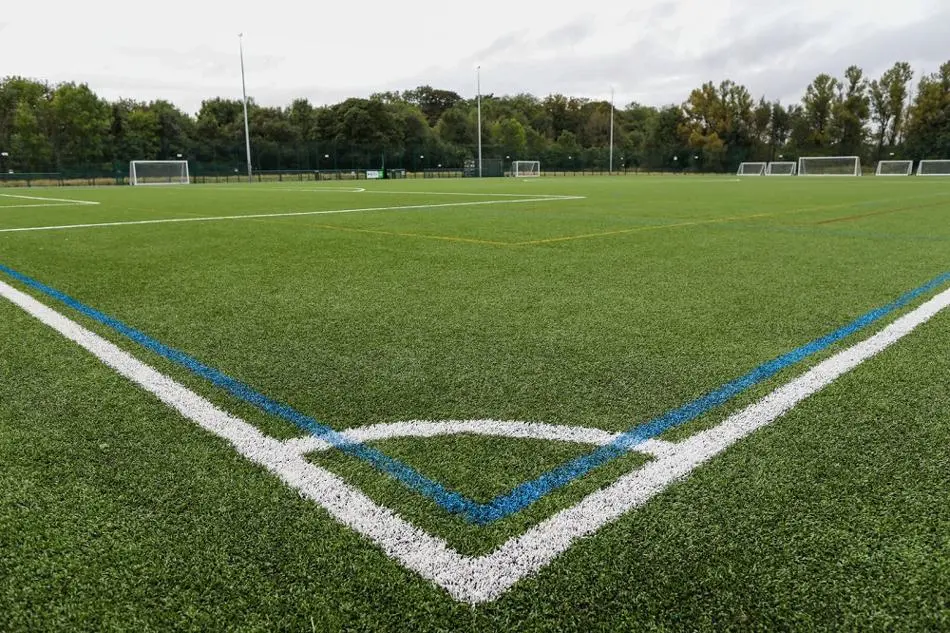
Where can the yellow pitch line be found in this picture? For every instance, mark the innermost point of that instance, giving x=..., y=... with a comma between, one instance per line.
x=640, y=229
x=444, y=238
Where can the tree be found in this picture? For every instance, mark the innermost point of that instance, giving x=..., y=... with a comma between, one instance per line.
x=888, y=100
x=928, y=125
x=851, y=113
x=433, y=103
x=819, y=103
x=81, y=122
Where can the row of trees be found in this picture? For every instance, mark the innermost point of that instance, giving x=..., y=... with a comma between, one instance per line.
x=67, y=127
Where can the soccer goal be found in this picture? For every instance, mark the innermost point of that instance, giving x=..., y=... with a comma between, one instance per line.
x=526, y=168
x=829, y=166
x=159, y=172
x=933, y=168
x=751, y=169
x=781, y=168
x=894, y=168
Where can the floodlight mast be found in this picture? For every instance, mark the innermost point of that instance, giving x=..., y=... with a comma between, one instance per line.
x=478, y=97
x=247, y=133
x=611, y=168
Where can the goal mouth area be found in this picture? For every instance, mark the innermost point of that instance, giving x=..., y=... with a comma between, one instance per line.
x=159, y=172
x=933, y=167
x=829, y=166
x=894, y=168
x=526, y=169
x=782, y=168
x=752, y=169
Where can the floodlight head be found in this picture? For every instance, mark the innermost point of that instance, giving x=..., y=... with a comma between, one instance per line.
x=4, y=154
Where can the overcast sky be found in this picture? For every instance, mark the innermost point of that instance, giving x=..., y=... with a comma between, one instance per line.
x=652, y=51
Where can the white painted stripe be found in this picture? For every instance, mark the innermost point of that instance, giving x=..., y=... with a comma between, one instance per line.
x=219, y=218
x=493, y=428
x=4, y=207
x=477, y=579
x=45, y=199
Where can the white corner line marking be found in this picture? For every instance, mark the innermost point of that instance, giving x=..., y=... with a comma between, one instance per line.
x=219, y=218
x=479, y=579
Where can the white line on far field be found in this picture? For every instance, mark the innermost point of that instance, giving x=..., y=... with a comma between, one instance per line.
x=476, y=579
x=65, y=201
x=219, y=218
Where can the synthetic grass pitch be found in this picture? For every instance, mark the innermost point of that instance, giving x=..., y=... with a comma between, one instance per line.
x=588, y=306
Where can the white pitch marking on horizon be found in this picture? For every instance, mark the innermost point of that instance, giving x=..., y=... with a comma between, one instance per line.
x=47, y=202
x=479, y=579
x=220, y=218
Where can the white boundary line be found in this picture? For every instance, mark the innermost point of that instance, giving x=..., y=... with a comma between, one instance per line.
x=52, y=202
x=484, y=578
x=219, y=218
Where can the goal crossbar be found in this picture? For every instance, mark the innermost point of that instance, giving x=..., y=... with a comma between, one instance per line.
x=159, y=172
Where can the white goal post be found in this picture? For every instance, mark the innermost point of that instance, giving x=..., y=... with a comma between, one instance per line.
x=526, y=168
x=894, y=168
x=829, y=166
x=930, y=167
x=159, y=172
x=782, y=168
x=751, y=169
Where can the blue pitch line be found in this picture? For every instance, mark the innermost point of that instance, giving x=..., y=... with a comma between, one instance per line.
x=527, y=493
x=451, y=501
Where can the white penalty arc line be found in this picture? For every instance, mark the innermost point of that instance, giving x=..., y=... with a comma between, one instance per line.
x=220, y=218
x=483, y=578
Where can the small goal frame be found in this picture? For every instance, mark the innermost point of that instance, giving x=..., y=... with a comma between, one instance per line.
x=907, y=168
x=516, y=169
x=930, y=161
x=803, y=171
x=790, y=165
x=182, y=178
x=754, y=168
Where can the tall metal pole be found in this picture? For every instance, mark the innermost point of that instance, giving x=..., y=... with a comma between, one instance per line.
x=611, y=130
x=478, y=91
x=247, y=133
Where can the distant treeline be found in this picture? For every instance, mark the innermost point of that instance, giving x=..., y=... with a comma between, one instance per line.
x=68, y=128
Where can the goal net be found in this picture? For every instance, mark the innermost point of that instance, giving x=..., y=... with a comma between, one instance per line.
x=894, y=168
x=781, y=168
x=829, y=166
x=526, y=168
x=751, y=169
x=158, y=172
x=933, y=168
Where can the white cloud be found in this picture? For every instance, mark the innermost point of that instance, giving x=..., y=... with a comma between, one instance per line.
x=654, y=52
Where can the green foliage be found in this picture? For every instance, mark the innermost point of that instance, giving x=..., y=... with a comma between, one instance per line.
x=67, y=127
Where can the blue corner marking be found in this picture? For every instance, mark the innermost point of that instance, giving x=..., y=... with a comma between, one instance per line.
x=451, y=501
x=527, y=493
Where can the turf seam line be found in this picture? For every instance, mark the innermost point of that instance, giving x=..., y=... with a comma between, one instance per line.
x=482, y=579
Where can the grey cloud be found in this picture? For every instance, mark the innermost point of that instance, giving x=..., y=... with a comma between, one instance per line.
x=572, y=33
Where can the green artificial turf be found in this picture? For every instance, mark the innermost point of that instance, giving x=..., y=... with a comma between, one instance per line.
x=603, y=311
